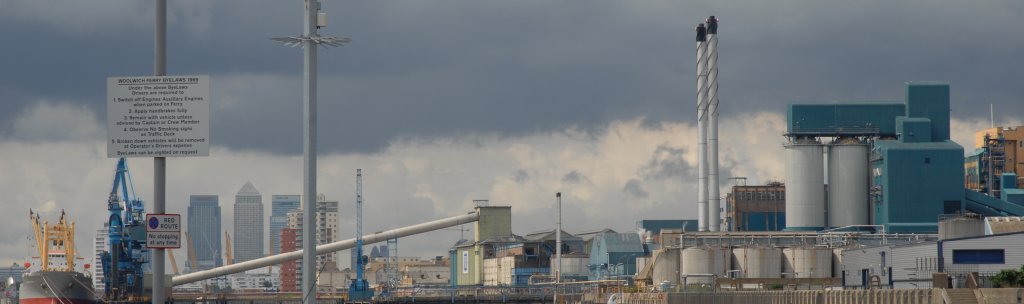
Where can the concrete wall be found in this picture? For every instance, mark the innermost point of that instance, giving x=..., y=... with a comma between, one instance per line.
x=1000, y=295
x=907, y=296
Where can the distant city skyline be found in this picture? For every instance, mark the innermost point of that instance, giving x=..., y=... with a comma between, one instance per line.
x=248, y=235
x=326, y=217
x=204, y=227
x=280, y=206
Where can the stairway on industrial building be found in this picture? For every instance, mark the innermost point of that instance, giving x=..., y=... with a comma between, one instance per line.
x=962, y=296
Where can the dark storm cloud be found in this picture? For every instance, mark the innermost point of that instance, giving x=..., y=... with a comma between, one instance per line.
x=666, y=163
x=635, y=188
x=442, y=68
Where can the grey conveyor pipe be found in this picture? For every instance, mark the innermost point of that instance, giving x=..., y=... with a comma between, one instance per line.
x=325, y=248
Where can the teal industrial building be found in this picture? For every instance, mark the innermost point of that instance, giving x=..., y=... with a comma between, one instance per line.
x=914, y=171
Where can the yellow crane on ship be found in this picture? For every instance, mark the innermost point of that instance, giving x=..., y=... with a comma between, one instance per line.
x=57, y=240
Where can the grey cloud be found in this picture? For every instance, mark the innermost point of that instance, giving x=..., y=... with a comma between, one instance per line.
x=447, y=68
x=634, y=188
x=666, y=163
x=575, y=177
x=521, y=176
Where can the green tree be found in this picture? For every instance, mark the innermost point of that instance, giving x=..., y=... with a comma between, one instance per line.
x=1009, y=278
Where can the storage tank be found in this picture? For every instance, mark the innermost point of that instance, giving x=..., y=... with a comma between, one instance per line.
x=805, y=184
x=847, y=183
x=758, y=262
x=964, y=225
x=807, y=262
x=666, y=266
x=704, y=260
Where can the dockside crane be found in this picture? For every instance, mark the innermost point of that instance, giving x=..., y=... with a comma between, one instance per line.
x=127, y=256
x=359, y=289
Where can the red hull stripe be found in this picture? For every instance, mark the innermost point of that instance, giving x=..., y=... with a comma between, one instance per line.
x=55, y=301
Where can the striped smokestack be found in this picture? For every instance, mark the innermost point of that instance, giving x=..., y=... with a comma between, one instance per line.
x=714, y=198
x=702, y=136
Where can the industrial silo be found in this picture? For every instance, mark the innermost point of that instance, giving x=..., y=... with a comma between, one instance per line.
x=805, y=184
x=702, y=262
x=847, y=183
x=758, y=262
x=666, y=266
x=807, y=262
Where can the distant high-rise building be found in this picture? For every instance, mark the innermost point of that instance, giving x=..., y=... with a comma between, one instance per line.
x=280, y=205
x=248, y=236
x=327, y=232
x=204, y=228
x=289, y=243
x=99, y=245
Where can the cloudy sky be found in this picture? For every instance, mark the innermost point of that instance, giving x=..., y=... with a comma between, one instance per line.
x=445, y=101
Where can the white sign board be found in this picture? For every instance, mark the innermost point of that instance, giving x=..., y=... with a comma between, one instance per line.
x=158, y=116
x=163, y=230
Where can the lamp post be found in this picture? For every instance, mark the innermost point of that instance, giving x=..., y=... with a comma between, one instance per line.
x=313, y=19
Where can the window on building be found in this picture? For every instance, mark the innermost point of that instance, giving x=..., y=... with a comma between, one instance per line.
x=979, y=256
x=927, y=160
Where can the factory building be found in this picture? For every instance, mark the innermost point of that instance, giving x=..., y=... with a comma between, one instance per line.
x=965, y=246
x=588, y=237
x=614, y=255
x=997, y=151
x=756, y=207
x=492, y=230
x=889, y=163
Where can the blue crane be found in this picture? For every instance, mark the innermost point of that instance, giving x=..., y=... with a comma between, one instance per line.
x=127, y=255
x=359, y=289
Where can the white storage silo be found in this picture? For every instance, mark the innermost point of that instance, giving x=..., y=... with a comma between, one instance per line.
x=805, y=184
x=758, y=262
x=847, y=183
x=704, y=260
x=666, y=266
x=807, y=262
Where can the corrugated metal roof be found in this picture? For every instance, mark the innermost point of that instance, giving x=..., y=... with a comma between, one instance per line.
x=622, y=242
x=549, y=235
x=591, y=234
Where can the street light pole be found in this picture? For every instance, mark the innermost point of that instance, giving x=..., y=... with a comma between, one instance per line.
x=312, y=20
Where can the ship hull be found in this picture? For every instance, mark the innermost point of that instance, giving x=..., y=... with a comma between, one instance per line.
x=56, y=287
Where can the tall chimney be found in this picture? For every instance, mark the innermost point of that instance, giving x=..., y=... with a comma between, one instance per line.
x=714, y=203
x=702, y=133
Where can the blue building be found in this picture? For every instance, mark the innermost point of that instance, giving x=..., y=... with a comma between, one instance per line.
x=280, y=205
x=915, y=171
x=204, y=229
x=614, y=254
x=919, y=175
